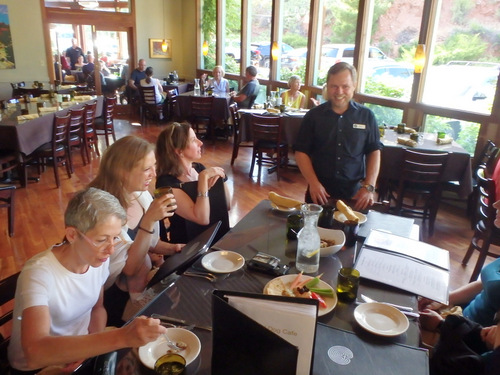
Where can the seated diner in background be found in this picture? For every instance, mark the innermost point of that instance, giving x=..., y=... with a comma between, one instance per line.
x=127, y=169
x=59, y=318
x=79, y=63
x=177, y=153
x=149, y=81
x=247, y=95
x=218, y=83
x=134, y=81
x=479, y=302
x=293, y=98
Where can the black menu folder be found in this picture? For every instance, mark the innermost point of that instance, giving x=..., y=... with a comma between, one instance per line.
x=244, y=346
x=339, y=352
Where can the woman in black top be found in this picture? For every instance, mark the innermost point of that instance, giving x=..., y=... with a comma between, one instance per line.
x=198, y=205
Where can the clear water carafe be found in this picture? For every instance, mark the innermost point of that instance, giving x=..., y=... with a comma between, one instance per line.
x=308, y=246
x=197, y=90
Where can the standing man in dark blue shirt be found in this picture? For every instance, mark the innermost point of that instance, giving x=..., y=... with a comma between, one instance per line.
x=338, y=145
x=74, y=52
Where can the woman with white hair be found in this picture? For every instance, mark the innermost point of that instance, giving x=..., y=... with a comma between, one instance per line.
x=219, y=84
x=293, y=98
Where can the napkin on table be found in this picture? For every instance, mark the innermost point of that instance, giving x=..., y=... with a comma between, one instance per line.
x=48, y=109
x=27, y=117
x=407, y=142
x=82, y=98
x=444, y=141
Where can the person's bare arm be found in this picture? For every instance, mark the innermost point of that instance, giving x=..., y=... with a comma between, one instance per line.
x=131, y=84
x=303, y=102
x=316, y=189
x=466, y=293
x=98, y=316
x=42, y=349
x=363, y=197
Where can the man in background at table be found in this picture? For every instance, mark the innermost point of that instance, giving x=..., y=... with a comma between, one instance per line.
x=73, y=53
x=134, y=80
x=246, y=96
x=338, y=145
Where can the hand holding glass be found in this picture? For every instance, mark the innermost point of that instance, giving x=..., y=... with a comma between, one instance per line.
x=161, y=191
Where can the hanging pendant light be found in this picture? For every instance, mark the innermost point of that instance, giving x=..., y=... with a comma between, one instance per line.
x=204, y=48
x=275, y=51
x=164, y=46
x=419, y=58
x=89, y=4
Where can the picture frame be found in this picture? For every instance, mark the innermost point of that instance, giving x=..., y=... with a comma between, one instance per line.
x=155, y=50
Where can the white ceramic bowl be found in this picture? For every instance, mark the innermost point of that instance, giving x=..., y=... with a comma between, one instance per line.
x=331, y=234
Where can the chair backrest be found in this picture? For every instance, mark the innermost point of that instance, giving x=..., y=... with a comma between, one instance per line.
x=172, y=98
x=266, y=128
x=148, y=94
x=109, y=110
x=487, y=197
x=60, y=131
x=233, y=110
x=423, y=168
x=75, y=123
x=489, y=151
x=7, y=294
x=201, y=106
x=89, y=116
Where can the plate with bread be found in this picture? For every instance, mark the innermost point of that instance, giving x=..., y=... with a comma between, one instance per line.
x=282, y=286
x=283, y=204
x=345, y=213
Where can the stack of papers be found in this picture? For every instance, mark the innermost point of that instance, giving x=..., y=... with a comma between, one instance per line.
x=407, y=264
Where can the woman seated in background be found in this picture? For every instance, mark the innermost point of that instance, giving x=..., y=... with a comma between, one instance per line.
x=177, y=153
x=127, y=169
x=219, y=84
x=59, y=318
x=149, y=81
x=293, y=98
x=80, y=63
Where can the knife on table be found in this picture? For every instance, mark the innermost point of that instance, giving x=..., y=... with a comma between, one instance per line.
x=169, y=319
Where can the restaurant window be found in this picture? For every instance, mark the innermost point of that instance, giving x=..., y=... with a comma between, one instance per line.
x=338, y=33
x=260, y=34
x=463, y=132
x=232, y=36
x=208, y=33
x=465, y=58
x=293, y=39
x=117, y=6
x=386, y=115
x=389, y=57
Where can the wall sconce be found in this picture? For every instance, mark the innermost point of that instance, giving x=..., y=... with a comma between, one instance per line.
x=419, y=58
x=204, y=49
x=164, y=46
x=275, y=51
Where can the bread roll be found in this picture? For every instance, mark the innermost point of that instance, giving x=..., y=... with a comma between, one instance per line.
x=346, y=210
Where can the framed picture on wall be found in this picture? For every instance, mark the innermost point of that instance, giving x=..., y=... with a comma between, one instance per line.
x=156, y=51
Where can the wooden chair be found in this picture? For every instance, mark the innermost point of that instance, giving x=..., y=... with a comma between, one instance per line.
x=201, y=115
x=233, y=110
x=104, y=125
x=149, y=108
x=56, y=150
x=171, y=104
x=7, y=294
x=485, y=231
x=9, y=160
x=7, y=195
x=268, y=148
x=418, y=191
x=75, y=135
x=89, y=135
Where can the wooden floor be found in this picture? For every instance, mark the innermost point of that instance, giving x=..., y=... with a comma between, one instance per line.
x=40, y=206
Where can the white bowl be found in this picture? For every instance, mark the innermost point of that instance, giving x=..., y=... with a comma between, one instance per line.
x=331, y=234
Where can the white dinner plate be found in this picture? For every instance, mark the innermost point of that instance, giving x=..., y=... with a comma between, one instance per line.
x=150, y=352
x=331, y=302
x=283, y=209
x=339, y=216
x=381, y=319
x=223, y=261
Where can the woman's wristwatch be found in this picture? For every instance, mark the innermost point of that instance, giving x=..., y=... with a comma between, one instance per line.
x=368, y=187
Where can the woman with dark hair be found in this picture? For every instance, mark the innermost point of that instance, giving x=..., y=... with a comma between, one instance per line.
x=149, y=81
x=177, y=153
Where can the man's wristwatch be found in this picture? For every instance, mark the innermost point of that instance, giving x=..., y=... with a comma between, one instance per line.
x=369, y=187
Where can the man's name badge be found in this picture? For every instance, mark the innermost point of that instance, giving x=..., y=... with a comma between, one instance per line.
x=359, y=126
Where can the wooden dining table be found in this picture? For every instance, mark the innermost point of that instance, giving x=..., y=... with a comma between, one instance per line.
x=220, y=108
x=458, y=168
x=264, y=229
x=26, y=136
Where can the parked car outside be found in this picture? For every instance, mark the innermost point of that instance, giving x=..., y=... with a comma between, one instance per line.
x=294, y=59
x=264, y=51
x=233, y=50
x=334, y=53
